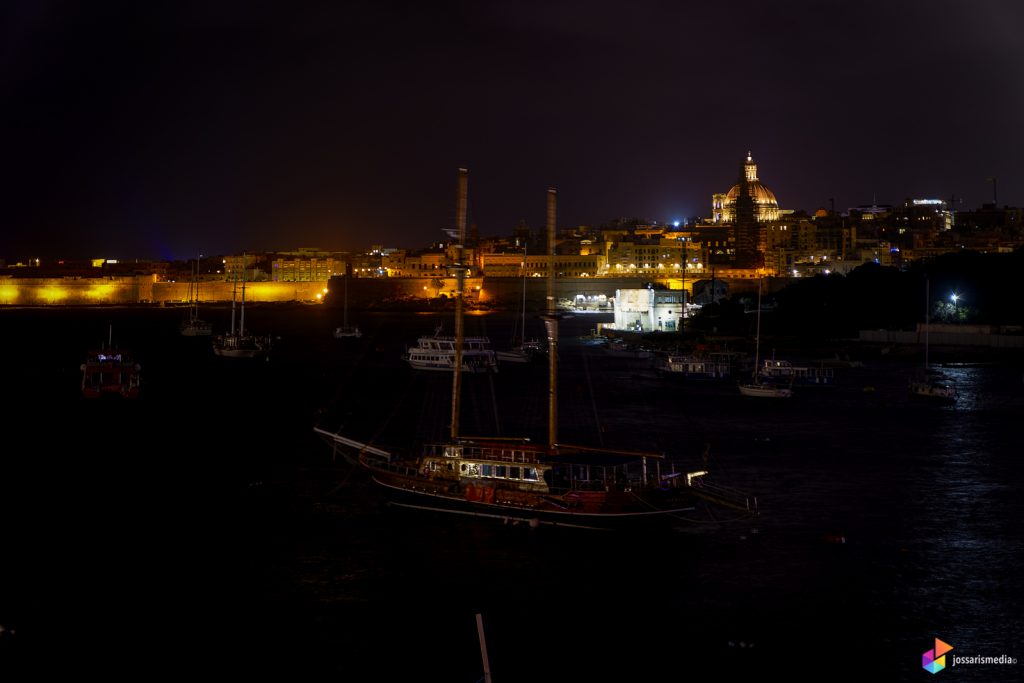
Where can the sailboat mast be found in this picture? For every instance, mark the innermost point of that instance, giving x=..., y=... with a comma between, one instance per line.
x=522, y=328
x=460, y=278
x=344, y=317
x=195, y=306
x=927, y=322
x=234, y=294
x=551, y=324
x=241, y=322
x=757, y=335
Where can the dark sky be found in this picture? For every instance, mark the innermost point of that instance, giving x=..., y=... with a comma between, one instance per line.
x=158, y=130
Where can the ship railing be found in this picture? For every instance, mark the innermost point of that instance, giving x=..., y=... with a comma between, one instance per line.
x=374, y=461
x=511, y=455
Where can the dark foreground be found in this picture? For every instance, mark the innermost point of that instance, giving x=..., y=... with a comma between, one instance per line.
x=203, y=530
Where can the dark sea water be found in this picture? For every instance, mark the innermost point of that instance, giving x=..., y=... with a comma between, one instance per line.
x=204, y=530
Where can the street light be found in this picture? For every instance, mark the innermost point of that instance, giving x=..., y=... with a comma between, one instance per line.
x=954, y=297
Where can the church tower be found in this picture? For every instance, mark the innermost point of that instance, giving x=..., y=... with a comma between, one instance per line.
x=746, y=219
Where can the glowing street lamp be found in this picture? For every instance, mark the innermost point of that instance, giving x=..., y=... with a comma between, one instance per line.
x=954, y=297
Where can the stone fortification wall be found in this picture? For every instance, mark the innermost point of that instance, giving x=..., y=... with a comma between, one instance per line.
x=85, y=291
x=363, y=292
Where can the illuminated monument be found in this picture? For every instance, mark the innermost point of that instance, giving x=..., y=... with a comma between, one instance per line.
x=766, y=207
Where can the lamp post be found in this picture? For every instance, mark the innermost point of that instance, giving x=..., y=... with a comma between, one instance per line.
x=954, y=297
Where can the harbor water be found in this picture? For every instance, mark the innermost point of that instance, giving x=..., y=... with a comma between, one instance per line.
x=205, y=530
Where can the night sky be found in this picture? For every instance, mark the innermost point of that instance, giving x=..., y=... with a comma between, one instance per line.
x=162, y=129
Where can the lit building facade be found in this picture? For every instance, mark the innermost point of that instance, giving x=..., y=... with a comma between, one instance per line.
x=649, y=310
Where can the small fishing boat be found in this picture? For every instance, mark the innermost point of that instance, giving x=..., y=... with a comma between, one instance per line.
x=110, y=371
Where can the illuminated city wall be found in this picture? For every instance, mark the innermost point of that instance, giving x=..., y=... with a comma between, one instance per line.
x=497, y=291
x=254, y=291
x=142, y=289
x=75, y=291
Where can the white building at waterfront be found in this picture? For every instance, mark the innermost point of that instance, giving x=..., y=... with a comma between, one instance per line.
x=649, y=310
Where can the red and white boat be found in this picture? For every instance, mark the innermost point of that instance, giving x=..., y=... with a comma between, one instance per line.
x=110, y=372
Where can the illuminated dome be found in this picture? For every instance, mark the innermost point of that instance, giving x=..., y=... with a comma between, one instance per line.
x=766, y=207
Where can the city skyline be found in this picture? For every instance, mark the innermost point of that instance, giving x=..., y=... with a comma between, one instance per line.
x=161, y=132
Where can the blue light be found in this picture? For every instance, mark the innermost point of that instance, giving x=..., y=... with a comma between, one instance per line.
x=675, y=223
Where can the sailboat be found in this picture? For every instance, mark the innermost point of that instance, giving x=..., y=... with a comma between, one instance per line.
x=516, y=480
x=929, y=384
x=522, y=351
x=192, y=326
x=346, y=330
x=758, y=387
x=240, y=344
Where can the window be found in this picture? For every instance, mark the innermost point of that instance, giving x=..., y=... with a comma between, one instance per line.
x=514, y=472
x=500, y=471
x=530, y=473
x=487, y=470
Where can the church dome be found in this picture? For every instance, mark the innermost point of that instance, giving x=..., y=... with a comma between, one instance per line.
x=766, y=207
x=761, y=195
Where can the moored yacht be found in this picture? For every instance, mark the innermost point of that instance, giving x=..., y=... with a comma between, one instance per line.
x=437, y=352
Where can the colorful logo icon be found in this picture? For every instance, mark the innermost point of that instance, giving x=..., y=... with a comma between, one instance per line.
x=934, y=661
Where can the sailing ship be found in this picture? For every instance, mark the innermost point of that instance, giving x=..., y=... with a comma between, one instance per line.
x=758, y=386
x=516, y=480
x=929, y=384
x=192, y=326
x=345, y=330
x=110, y=371
x=238, y=343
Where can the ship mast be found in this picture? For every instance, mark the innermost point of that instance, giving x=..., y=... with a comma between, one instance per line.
x=551, y=324
x=241, y=323
x=460, y=280
x=234, y=294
